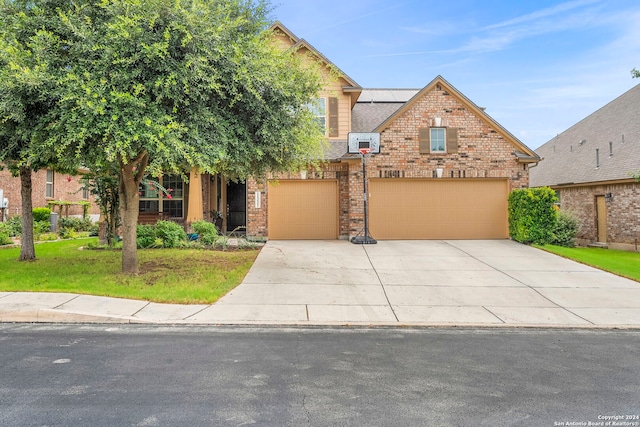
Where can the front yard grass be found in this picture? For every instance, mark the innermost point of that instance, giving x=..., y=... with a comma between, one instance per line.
x=181, y=276
x=622, y=263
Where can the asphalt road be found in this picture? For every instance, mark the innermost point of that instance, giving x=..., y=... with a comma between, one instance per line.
x=166, y=376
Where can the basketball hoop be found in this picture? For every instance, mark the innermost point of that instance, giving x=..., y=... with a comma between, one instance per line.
x=364, y=151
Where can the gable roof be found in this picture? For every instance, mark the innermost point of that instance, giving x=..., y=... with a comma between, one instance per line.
x=523, y=153
x=298, y=43
x=613, y=130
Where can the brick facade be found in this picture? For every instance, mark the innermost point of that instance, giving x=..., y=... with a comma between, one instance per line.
x=623, y=211
x=483, y=152
x=65, y=187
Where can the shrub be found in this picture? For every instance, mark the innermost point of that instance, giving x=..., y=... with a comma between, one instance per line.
x=207, y=232
x=41, y=214
x=172, y=234
x=4, y=237
x=75, y=224
x=66, y=233
x=532, y=215
x=14, y=225
x=48, y=236
x=566, y=229
x=40, y=227
x=145, y=236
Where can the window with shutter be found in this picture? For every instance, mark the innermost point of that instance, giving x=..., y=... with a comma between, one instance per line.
x=333, y=117
x=438, y=140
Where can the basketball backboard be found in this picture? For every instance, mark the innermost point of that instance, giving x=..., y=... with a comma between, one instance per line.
x=358, y=140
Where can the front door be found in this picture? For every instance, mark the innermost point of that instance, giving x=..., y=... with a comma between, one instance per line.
x=236, y=206
x=601, y=218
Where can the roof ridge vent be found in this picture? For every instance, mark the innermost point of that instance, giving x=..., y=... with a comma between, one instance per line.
x=582, y=141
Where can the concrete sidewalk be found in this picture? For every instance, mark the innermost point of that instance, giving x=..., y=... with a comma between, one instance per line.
x=399, y=283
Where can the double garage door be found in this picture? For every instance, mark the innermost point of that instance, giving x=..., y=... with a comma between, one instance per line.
x=399, y=209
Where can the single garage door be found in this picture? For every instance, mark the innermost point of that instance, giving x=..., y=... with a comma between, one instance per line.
x=302, y=209
x=438, y=209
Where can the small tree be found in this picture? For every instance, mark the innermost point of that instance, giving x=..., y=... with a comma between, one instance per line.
x=33, y=51
x=104, y=184
x=532, y=215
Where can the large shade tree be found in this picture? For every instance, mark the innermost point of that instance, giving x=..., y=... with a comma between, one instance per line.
x=161, y=86
x=33, y=54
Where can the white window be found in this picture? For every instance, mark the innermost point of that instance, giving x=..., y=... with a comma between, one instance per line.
x=319, y=109
x=49, y=182
x=437, y=138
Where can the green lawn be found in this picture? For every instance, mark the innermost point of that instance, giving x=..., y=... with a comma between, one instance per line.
x=185, y=276
x=623, y=263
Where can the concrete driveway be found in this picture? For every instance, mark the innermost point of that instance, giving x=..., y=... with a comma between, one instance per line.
x=495, y=282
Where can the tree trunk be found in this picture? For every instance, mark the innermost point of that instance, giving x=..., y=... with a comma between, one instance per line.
x=27, y=248
x=131, y=174
x=129, y=205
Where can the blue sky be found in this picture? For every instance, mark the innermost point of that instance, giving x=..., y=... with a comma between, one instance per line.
x=537, y=66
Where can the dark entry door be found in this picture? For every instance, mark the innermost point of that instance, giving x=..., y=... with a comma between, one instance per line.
x=236, y=205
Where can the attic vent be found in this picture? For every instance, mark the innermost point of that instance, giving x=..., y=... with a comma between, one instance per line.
x=597, y=158
x=610, y=149
x=582, y=141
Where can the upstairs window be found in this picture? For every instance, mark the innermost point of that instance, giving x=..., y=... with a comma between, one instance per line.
x=49, y=183
x=319, y=109
x=437, y=138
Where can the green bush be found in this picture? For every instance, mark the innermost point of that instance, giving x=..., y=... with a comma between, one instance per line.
x=66, y=233
x=146, y=236
x=4, y=237
x=172, y=234
x=532, y=215
x=566, y=229
x=14, y=226
x=48, y=237
x=75, y=224
x=41, y=214
x=40, y=227
x=207, y=233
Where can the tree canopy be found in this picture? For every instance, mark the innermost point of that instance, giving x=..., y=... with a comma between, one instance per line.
x=157, y=86
x=33, y=54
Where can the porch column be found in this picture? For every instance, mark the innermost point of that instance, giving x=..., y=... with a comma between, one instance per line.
x=194, y=209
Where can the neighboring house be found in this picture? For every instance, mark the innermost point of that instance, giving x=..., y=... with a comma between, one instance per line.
x=591, y=167
x=47, y=186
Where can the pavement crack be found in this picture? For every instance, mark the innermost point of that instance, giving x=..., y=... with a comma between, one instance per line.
x=384, y=290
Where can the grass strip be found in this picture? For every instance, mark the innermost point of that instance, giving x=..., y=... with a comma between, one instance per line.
x=181, y=276
x=622, y=263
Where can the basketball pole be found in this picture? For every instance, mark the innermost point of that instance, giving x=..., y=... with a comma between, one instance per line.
x=366, y=239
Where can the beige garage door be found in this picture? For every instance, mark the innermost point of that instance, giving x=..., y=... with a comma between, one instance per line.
x=438, y=209
x=303, y=209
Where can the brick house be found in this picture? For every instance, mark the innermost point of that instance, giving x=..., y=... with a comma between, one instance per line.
x=445, y=169
x=591, y=167
x=47, y=186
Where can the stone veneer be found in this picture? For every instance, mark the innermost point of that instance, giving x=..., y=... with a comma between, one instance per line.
x=482, y=153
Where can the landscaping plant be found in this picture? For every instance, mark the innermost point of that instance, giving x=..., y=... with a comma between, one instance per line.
x=532, y=215
x=207, y=232
x=565, y=230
